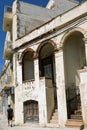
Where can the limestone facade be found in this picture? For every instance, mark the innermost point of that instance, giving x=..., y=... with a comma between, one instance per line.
x=48, y=61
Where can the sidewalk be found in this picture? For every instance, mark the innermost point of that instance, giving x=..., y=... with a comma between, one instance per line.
x=4, y=126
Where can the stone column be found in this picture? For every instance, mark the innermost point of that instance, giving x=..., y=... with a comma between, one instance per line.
x=36, y=76
x=19, y=70
x=41, y=91
x=19, y=117
x=85, y=41
x=83, y=94
x=36, y=70
x=60, y=83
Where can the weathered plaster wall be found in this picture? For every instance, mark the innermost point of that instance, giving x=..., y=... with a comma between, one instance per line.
x=28, y=94
x=29, y=17
x=57, y=22
x=83, y=92
x=49, y=99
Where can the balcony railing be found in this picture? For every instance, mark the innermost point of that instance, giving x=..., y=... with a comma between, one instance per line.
x=73, y=99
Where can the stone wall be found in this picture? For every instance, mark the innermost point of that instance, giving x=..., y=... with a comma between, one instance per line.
x=29, y=17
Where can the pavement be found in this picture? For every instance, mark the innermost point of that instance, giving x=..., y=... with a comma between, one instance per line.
x=4, y=126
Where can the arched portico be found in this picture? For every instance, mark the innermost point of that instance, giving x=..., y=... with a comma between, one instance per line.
x=74, y=59
x=27, y=65
x=46, y=59
x=47, y=71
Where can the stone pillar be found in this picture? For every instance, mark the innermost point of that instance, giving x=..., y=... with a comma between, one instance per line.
x=85, y=41
x=36, y=76
x=42, y=103
x=19, y=117
x=19, y=69
x=41, y=90
x=60, y=83
x=36, y=72
x=14, y=77
x=83, y=94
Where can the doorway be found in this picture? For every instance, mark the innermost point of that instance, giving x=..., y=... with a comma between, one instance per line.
x=31, y=113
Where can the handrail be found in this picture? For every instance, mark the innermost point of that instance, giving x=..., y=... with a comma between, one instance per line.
x=73, y=98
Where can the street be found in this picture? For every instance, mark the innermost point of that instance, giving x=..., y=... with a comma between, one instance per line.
x=4, y=126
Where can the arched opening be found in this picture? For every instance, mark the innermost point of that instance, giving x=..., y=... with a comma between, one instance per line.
x=46, y=60
x=28, y=66
x=74, y=59
x=31, y=113
x=47, y=69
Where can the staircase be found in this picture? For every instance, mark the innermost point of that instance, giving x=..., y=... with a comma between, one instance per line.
x=77, y=114
x=74, y=108
x=76, y=124
x=75, y=120
x=54, y=119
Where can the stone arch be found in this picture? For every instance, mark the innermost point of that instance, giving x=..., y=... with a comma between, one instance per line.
x=21, y=54
x=27, y=50
x=47, y=66
x=43, y=44
x=45, y=52
x=27, y=64
x=69, y=39
x=65, y=36
x=74, y=59
x=30, y=99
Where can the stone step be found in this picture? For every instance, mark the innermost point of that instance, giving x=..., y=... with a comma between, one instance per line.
x=73, y=116
x=54, y=121
x=51, y=125
x=78, y=112
x=56, y=110
x=55, y=114
x=74, y=124
x=79, y=106
x=55, y=117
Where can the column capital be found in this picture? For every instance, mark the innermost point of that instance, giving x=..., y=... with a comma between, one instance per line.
x=85, y=40
x=35, y=55
x=59, y=48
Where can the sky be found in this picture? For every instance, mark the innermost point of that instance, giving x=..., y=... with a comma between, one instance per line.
x=2, y=33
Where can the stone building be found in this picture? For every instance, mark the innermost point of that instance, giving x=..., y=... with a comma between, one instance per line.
x=49, y=56
x=0, y=97
x=7, y=88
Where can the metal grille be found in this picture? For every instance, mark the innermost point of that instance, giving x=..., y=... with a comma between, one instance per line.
x=73, y=100
x=31, y=113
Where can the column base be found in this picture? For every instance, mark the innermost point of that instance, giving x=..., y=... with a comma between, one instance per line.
x=85, y=128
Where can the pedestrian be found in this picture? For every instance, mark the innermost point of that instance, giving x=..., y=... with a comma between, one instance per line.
x=9, y=115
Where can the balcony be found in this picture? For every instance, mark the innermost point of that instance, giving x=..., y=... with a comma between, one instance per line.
x=7, y=22
x=8, y=83
x=8, y=53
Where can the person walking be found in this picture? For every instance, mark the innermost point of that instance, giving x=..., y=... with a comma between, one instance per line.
x=9, y=115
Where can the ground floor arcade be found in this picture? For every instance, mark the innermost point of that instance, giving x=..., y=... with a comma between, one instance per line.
x=49, y=81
